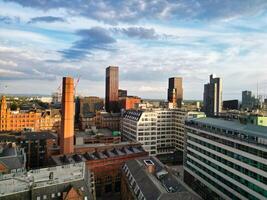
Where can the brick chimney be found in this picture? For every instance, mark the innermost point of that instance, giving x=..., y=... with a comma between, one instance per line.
x=67, y=118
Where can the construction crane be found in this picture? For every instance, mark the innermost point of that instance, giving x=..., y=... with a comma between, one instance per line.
x=76, y=83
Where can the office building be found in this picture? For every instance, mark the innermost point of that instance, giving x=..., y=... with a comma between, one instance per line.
x=112, y=88
x=67, y=122
x=148, y=178
x=122, y=93
x=175, y=91
x=72, y=181
x=225, y=159
x=161, y=131
x=212, y=99
x=231, y=105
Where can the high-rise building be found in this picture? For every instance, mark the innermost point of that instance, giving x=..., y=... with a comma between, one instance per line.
x=67, y=122
x=225, y=159
x=160, y=131
x=112, y=88
x=175, y=91
x=213, y=96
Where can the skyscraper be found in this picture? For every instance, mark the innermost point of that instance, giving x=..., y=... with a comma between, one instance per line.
x=175, y=89
x=213, y=96
x=112, y=87
x=67, y=121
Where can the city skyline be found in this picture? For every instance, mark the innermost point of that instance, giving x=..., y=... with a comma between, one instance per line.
x=40, y=44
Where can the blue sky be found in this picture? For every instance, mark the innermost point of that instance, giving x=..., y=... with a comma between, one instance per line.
x=43, y=40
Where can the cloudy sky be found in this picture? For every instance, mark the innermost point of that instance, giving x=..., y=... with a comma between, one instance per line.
x=150, y=40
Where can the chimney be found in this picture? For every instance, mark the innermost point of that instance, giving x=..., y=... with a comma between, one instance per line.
x=67, y=118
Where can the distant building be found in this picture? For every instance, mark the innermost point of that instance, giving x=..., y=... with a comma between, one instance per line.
x=112, y=87
x=148, y=178
x=100, y=120
x=35, y=120
x=161, y=131
x=249, y=101
x=90, y=105
x=69, y=182
x=130, y=102
x=122, y=93
x=231, y=105
x=56, y=97
x=12, y=158
x=105, y=162
x=225, y=159
x=212, y=99
x=175, y=91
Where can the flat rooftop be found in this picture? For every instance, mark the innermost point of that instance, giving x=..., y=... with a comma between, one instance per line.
x=19, y=182
x=251, y=130
x=98, y=132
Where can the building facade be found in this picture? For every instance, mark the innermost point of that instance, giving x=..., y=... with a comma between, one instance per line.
x=161, y=131
x=175, y=91
x=212, y=98
x=130, y=102
x=231, y=105
x=112, y=88
x=100, y=120
x=34, y=120
x=225, y=159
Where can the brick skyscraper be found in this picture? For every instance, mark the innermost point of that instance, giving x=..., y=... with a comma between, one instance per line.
x=176, y=88
x=112, y=87
x=212, y=98
x=67, y=121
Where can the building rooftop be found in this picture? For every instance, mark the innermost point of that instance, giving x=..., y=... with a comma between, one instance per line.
x=93, y=133
x=158, y=184
x=18, y=182
x=11, y=157
x=97, y=155
x=251, y=130
x=39, y=135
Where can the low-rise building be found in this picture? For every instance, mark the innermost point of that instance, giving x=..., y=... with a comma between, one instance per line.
x=100, y=119
x=225, y=159
x=12, y=158
x=72, y=181
x=105, y=162
x=147, y=178
x=129, y=102
x=96, y=136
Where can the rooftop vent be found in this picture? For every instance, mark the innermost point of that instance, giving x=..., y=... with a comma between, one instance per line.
x=151, y=168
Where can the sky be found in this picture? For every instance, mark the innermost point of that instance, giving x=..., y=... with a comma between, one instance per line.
x=150, y=40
